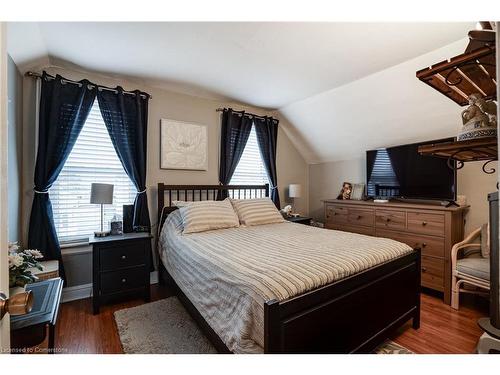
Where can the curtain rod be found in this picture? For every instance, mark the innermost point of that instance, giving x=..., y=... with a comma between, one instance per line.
x=249, y=114
x=92, y=85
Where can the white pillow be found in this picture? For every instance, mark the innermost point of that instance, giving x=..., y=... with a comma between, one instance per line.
x=208, y=215
x=180, y=204
x=256, y=211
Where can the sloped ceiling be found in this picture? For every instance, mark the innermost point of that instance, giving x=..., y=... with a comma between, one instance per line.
x=343, y=87
x=386, y=108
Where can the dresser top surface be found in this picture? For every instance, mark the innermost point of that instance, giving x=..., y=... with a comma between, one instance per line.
x=396, y=204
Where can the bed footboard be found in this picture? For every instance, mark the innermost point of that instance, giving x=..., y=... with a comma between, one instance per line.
x=352, y=315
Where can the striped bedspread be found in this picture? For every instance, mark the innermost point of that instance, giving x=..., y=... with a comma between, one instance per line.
x=228, y=274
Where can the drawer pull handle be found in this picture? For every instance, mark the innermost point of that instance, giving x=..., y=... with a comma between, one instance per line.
x=388, y=219
x=124, y=280
x=124, y=257
x=359, y=217
x=424, y=244
x=424, y=269
x=424, y=223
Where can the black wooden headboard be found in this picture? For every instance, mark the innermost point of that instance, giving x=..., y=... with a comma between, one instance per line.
x=191, y=193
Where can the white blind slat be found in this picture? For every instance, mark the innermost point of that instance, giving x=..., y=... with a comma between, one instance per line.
x=93, y=159
x=250, y=169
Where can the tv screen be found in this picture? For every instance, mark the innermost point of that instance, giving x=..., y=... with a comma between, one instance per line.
x=403, y=173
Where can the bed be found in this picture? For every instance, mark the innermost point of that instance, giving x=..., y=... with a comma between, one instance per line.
x=285, y=287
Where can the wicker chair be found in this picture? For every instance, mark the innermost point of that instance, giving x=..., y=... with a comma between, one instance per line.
x=470, y=264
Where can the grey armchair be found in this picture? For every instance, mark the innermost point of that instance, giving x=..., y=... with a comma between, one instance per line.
x=470, y=264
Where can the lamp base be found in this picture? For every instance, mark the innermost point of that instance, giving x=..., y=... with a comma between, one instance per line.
x=102, y=234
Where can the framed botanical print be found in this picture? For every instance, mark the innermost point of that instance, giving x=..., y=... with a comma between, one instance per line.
x=183, y=145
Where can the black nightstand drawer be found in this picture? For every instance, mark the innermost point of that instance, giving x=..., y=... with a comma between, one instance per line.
x=123, y=255
x=116, y=281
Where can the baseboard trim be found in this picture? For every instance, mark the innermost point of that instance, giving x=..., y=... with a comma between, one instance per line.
x=153, y=277
x=73, y=293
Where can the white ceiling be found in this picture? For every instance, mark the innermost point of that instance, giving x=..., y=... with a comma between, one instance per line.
x=319, y=75
x=263, y=64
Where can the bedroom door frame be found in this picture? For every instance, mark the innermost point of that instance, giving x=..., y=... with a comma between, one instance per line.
x=4, y=262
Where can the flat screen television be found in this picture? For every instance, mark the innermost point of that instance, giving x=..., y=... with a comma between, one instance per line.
x=401, y=172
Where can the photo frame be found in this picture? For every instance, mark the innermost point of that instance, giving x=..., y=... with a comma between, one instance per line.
x=346, y=191
x=183, y=145
x=358, y=192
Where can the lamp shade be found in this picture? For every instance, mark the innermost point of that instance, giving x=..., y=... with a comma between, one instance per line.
x=294, y=191
x=101, y=193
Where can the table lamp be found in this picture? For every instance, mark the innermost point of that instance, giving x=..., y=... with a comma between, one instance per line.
x=294, y=191
x=101, y=194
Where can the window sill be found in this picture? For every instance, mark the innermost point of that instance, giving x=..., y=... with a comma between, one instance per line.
x=73, y=248
x=76, y=243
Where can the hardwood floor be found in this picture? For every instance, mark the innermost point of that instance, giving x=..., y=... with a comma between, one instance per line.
x=79, y=331
x=442, y=329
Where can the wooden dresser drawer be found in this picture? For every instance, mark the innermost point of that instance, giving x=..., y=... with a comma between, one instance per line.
x=430, y=246
x=432, y=228
x=369, y=231
x=390, y=219
x=336, y=214
x=432, y=273
x=125, y=279
x=361, y=217
x=427, y=223
x=122, y=255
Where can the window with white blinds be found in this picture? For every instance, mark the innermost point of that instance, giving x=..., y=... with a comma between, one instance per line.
x=383, y=181
x=93, y=159
x=251, y=169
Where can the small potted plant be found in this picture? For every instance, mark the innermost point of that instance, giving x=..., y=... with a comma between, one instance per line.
x=21, y=262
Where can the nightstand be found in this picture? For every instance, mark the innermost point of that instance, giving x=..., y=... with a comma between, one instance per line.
x=299, y=219
x=121, y=266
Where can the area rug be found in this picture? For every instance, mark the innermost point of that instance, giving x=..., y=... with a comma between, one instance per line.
x=165, y=327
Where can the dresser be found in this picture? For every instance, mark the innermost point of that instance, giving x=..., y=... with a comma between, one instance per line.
x=433, y=228
x=121, y=267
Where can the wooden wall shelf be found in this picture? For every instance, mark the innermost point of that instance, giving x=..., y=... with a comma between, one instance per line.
x=465, y=74
x=482, y=149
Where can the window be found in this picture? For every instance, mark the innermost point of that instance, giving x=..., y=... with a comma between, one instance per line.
x=251, y=169
x=383, y=181
x=93, y=159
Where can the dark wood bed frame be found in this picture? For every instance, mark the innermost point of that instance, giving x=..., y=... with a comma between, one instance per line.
x=352, y=315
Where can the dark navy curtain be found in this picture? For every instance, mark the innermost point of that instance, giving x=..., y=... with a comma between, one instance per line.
x=126, y=118
x=267, y=137
x=64, y=107
x=235, y=130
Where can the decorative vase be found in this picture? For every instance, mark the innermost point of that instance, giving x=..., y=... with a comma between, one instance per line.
x=16, y=290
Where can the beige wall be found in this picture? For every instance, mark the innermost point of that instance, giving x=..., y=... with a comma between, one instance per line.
x=326, y=180
x=475, y=185
x=164, y=104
